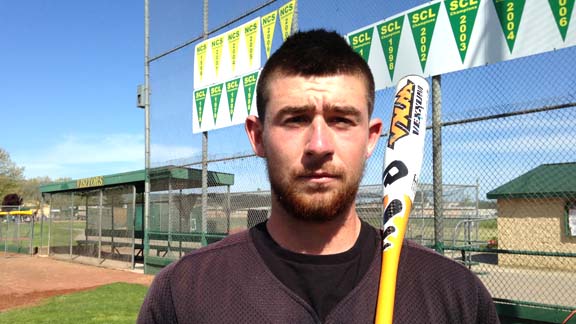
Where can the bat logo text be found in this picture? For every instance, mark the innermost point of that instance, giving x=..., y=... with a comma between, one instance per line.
x=418, y=110
x=401, y=121
x=394, y=171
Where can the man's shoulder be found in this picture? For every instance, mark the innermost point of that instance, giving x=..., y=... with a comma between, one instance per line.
x=414, y=252
x=227, y=272
x=230, y=242
x=212, y=255
x=426, y=262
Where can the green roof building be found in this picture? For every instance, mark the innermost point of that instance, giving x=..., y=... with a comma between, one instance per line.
x=537, y=214
x=101, y=220
x=545, y=181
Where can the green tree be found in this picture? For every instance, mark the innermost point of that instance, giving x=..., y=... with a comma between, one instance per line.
x=30, y=190
x=11, y=175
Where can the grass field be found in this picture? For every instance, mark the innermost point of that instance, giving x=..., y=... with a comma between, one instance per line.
x=114, y=303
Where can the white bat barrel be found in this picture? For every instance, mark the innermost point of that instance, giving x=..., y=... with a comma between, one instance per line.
x=402, y=163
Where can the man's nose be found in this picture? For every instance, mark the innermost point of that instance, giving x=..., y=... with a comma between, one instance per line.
x=320, y=141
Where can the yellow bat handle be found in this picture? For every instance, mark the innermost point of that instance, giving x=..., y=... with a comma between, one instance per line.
x=389, y=271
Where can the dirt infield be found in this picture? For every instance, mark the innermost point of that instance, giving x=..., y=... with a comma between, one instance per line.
x=25, y=280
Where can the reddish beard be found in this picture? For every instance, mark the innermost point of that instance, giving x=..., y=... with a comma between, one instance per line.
x=313, y=202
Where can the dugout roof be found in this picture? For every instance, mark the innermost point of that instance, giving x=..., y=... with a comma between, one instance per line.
x=545, y=181
x=161, y=178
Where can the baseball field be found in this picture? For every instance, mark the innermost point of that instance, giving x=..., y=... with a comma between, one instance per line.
x=44, y=290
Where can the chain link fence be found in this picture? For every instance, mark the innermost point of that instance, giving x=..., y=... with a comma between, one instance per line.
x=16, y=229
x=508, y=148
x=94, y=226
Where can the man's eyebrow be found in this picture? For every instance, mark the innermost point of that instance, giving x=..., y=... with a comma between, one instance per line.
x=294, y=110
x=346, y=110
x=331, y=109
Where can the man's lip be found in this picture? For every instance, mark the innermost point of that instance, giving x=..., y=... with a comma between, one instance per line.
x=319, y=175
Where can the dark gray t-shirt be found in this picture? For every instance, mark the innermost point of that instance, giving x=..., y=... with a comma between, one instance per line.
x=229, y=282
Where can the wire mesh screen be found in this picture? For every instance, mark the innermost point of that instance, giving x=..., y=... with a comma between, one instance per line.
x=16, y=229
x=63, y=226
x=507, y=155
x=176, y=228
x=41, y=230
x=93, y=226
x=517, y=143
x=117, y=223
x=88, y=241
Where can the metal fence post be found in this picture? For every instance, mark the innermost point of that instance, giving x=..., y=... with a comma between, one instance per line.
x=228, y=209
x=112, y=203
x=295, y=18
x=70, y=221
x=6, y=235
x=477, y=206
x=31, y=236
x=86, y=198
x=146, y=129
x=49, y=225
x=100, y=225
x=437, y=163
x=17, y=232
x=41, y=224
x=133, y=226
x=204, y=147
x=170, y=214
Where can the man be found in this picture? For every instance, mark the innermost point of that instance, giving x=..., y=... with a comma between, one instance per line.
x=314, y=260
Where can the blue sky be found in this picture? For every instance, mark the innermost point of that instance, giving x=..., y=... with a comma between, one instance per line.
x=69, y=71
x=68, y=86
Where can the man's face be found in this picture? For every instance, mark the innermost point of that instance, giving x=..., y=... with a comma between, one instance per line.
x=316, y=137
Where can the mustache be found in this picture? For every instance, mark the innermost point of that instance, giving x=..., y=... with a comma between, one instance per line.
x=326, y=169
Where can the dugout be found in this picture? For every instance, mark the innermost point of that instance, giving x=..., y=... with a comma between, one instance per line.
x=537, y=218
x=100, y=220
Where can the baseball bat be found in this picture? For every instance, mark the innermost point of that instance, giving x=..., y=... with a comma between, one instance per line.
x=402, y=164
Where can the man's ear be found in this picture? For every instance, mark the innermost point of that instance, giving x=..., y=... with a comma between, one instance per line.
x=254, y=129
x=374, y=131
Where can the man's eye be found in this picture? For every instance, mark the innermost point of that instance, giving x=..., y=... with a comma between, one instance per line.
x=341, y=121
x=296, y=120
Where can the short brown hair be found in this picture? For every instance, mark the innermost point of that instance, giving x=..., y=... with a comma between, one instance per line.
x=316, y=52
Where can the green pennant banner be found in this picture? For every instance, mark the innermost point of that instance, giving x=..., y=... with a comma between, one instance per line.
x=231, y=92
x=215, y=94
x=423, y=22
x=249, y=82
x=389, y=33
x=361, y=42
x=462, y=16
x=200, y=99
x=510, y=14
x=462, y=35
x=562, y=10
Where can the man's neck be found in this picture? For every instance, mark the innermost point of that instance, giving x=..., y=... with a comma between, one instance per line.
x=300, y=236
